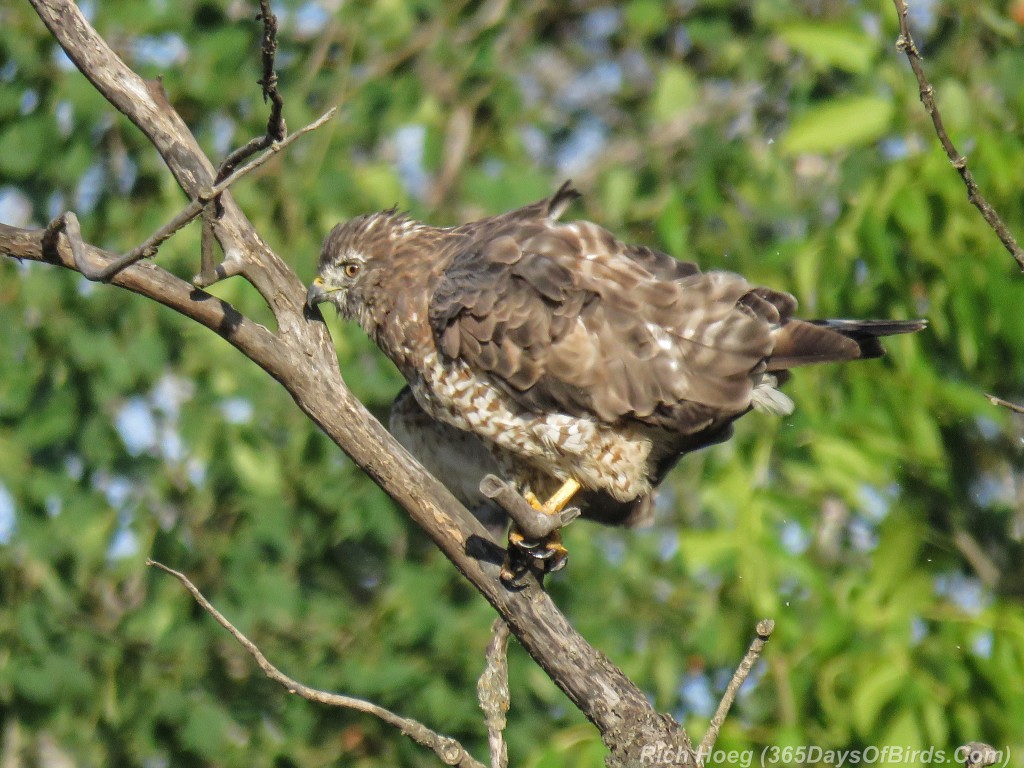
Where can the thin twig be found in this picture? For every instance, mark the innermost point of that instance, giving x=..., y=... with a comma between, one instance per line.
x=906, y=43
x=276, y=128
x=1005, y=403
x=765, y=627
x=445, y=747
x=492, y=691
x=68, y=223
x=977, y=754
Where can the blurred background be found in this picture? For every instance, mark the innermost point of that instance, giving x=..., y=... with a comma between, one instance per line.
x=881, y=525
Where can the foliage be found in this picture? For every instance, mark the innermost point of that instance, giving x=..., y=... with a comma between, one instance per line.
x=880, y=525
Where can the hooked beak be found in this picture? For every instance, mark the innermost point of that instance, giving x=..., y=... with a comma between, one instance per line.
x=317, y=293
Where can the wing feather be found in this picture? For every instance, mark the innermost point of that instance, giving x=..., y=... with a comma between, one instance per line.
x=566, y=316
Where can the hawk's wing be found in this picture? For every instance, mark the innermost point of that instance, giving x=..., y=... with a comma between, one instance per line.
x=565, y=317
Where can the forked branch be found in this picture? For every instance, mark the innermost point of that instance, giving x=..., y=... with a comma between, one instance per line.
x=300, y=355
x=68, y=222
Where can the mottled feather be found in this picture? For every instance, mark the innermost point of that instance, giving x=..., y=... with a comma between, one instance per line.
x=568, y=353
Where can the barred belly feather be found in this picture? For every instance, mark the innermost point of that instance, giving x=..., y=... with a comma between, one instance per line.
x=599, y=456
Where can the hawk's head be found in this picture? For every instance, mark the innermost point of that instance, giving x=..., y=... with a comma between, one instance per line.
x=352, y=253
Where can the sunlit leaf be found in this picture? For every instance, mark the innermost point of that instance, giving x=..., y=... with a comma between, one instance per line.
x=839, y=124
x=831, y=46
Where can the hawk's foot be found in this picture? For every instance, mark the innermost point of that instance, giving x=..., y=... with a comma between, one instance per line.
x=539, y=556
x=534, y=541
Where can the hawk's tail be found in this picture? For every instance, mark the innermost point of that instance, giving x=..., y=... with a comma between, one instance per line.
x=805, y=342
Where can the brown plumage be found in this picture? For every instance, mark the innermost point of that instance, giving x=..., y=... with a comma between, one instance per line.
x=461, y=460
x=568, y=353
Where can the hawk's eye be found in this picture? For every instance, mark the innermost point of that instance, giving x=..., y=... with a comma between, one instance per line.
x=351, y=269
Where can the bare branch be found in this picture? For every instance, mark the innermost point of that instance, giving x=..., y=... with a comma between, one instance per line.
x=977, y=754
x=492, y=691
x=1005, y=403
x=252, y=339
x=765, y=627
x=191, y=212
x=207, y=278
x=445, y=747
x=146, y=105
x=906, y=43
x=276, y=128
x=68, y=222
x=301, y=356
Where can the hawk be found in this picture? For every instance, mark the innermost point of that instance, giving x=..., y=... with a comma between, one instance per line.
x=581, y=362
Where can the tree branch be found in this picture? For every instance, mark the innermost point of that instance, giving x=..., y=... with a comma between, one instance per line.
x=68, y=222
x=301, y=356
x=492, y=691
x=906, y=43
x=765, y=628
x=1013, y=407
x=146, y=105
x=276, y=128
x=445, y=747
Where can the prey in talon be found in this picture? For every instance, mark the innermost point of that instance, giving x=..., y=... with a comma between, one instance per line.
x=572, y=365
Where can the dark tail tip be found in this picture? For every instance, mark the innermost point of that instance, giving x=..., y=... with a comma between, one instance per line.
x=868, y=332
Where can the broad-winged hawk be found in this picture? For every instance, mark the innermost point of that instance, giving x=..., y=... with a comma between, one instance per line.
x=575, y=358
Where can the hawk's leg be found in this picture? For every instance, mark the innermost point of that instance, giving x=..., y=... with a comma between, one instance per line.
x=548, y=549
x=535, y=540
x=559, y=498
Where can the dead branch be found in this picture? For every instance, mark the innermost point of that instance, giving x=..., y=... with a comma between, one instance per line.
x=300, y=355
x=906, y=43
x=1014, y=407
x=493, y=693
x=445, y=747
x=276, y=128
x=68, y=222
x=765, y=628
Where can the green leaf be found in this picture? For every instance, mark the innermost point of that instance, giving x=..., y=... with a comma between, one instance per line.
x=874, y=691
x=619, y=191
x=207, y=728
x=675, y=93
x=22, y=146
x=259, y=472
x=829, y=45
x=645, y=17
x=839, y=124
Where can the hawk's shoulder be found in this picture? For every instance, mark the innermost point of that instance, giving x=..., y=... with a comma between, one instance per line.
x=566, y=317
